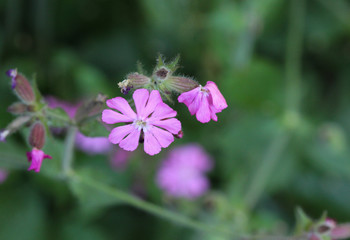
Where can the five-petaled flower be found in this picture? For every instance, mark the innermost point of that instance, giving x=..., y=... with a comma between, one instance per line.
x=153, y=121
x=205, y=102
x=36, y=157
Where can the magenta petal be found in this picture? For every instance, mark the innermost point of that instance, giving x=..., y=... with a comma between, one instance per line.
x=140, y=97
x=118, y=133
x=151, y=145
x=29, y=156
x=122, y=106
x=172, y=125
x=46, y=156
x=188, y=97
x=112, y=117
x=131, y=142
x=218, y=99
x=164, y=138
x=203, y=114
x=153, y=101
x=162, y=111
x=194, y=106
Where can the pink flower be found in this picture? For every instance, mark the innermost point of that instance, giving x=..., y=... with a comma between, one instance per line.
x=205, y=102
x=3, y=175
x=182, y=174
x=119, y=159
x=36, y=157
x=154, y=120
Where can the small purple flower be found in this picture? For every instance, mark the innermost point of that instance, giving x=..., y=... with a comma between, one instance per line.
x=3, y=175
x=36, y=157
x=205, y=102
x=182, y=174
x=12, y=73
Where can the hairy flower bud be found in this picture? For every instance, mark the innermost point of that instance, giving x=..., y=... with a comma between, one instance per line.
x=135, y=81
x=21, y=86
x=91, y=108
x=162, y=73
x=180, y=84
x=37, y=135
x=19, y=108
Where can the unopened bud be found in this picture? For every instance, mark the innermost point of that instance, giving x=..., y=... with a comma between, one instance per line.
x=3, y=134
x=19, y=108
x=136, y=80
x=21, y=86
x=162, y=73
x=37, y=135
x=91, y=108
x=326, y=227
x=180, y=84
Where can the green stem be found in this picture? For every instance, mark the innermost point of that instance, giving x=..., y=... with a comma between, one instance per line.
x=69, y=151
x=150, y=208
x=293, y=97
x=264, y=173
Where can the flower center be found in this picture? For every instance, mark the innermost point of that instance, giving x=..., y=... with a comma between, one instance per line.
x=141, y=124
x=204, y=90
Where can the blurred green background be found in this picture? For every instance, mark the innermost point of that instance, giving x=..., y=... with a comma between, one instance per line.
x=282, y=65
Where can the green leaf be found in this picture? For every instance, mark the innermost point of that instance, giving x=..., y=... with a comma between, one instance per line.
x=93, y=128
x=57, y=117
x=303, y=221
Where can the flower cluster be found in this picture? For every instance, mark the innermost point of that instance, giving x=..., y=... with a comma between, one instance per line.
x=182, y=173
x=153, y=123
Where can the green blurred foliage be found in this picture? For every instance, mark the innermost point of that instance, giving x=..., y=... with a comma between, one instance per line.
x=77, y=49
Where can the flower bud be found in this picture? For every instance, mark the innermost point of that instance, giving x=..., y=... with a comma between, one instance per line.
x=134, y=80
x=162, y=73
x=91, y=108
x=19, y=108
x=37, y=135
x=21, y=86
x=180, y=84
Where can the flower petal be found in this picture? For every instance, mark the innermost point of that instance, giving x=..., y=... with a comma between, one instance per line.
x=122, y=106
x=118, y=133
x=163, y=137
x=218, y=99
x=140, y=97
x=194, y=106
x=203, y=114
x=162, y=111
x=131, y=142
x=151, y=145
x=153, y=101
x=188, y=97
x=112, y=117
x=172, y=125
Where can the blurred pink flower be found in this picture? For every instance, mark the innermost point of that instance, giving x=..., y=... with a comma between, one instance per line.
x=182, y=173
x=36, y=157
x=154, y=119
x=205, y=102
x=3, y=175
x=92, y=145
